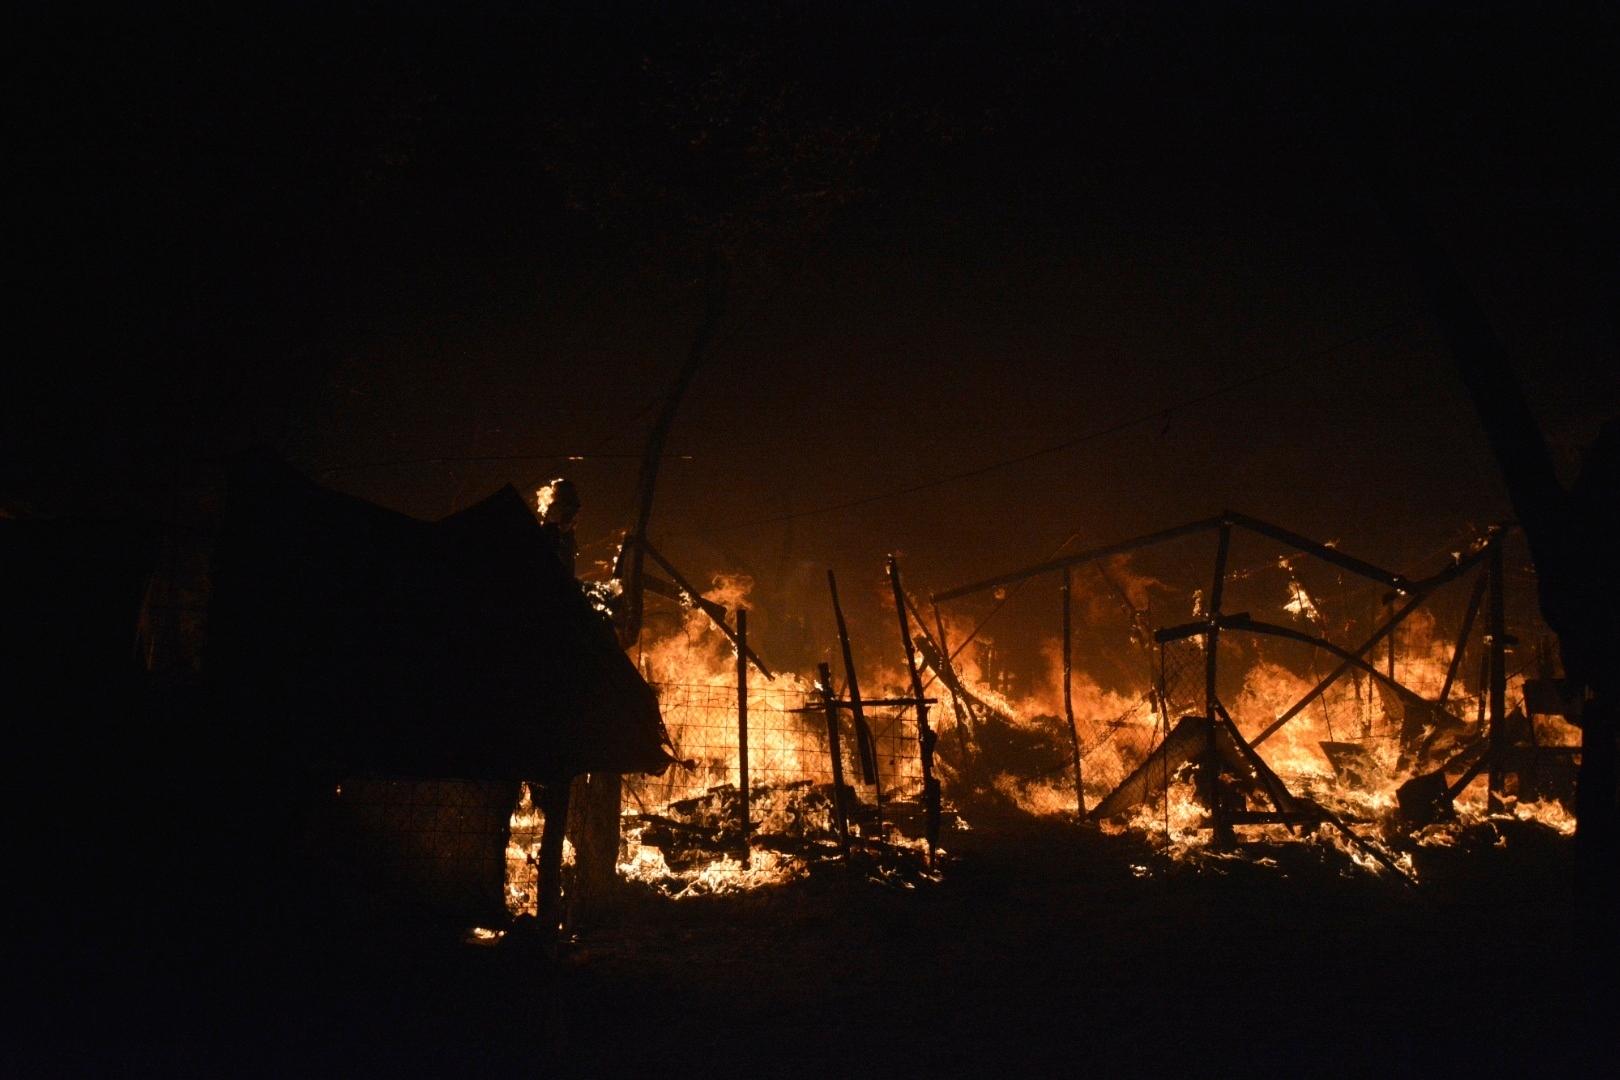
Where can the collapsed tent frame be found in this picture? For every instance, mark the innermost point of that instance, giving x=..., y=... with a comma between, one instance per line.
x=1214, y=725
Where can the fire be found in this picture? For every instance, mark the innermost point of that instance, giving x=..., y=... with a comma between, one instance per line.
x=522, y=844
x=694, y=668
x=681, y=832
x=1299, y=602
x=1295, y=751
x=1382, y=736
x=1342, y=760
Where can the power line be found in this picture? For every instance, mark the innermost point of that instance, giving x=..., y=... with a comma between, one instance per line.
x=1111, y=429
x=484, y=459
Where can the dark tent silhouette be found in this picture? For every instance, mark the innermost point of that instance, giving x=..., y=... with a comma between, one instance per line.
x=427, y=665
x=373, y=642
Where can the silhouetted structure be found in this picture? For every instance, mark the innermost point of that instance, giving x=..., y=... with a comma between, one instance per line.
x=350, y=641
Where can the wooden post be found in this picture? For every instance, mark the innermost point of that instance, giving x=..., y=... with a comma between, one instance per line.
x=1498, y=652
x=1212, y=641
x=863, y=732
x=553, y=799
x=925, y=734
x=840, y=819
x=747, y=822
x=1068, y=698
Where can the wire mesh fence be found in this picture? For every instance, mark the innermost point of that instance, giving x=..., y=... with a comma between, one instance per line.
x=787, y=744
x=440, y=845
x=683, y=831
x=1181, y=677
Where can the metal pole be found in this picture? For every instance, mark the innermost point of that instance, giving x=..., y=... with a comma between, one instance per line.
x=747, y=823
x=1079, y=557
x=840, y=819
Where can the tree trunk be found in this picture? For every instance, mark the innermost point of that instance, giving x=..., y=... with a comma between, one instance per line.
x=1570, y=533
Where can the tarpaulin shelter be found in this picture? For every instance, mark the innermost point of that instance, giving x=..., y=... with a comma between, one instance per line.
x=350, y=642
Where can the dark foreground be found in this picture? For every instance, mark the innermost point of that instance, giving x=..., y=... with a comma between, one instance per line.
x=1042, y=953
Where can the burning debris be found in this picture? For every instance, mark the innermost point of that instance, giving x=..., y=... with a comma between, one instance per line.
x=1377, y=766
x=1371, y=758
x=1374, y=749
x=759, y=795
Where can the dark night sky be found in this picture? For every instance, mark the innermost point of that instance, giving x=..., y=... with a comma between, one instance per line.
x=954, y=240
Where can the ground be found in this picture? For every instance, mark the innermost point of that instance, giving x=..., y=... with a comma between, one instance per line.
x=1042, y=951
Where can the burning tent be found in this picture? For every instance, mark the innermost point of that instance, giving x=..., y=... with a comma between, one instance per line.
x=393, y=680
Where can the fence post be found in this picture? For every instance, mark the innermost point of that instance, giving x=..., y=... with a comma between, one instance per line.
x=1068, y=699
x=747, y=823
x=837, y=753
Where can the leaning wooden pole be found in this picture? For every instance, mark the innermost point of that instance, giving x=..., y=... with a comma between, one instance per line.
x=925, y=734
x=960, y=707
x=864, y=743
x=1068, y=696
x=746, y=825
x=836, y=753
x=628, y=567
x=695, y=598
x=1498, y=688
